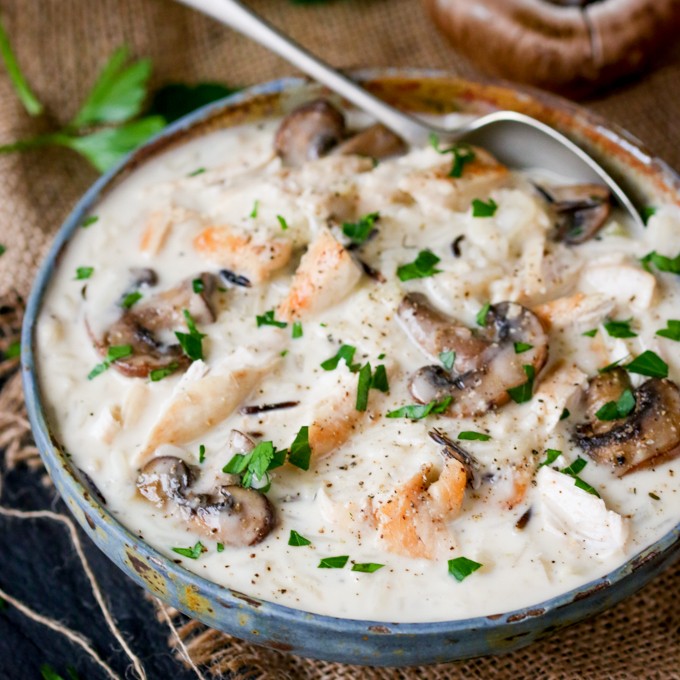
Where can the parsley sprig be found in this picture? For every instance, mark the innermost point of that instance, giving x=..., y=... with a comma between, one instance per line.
x=418, y=411
x=462, y=154
x=114, y=353
x=422, y=267
x=613, y=410
x=191, y=342
x=359, y=232
x=672, y=330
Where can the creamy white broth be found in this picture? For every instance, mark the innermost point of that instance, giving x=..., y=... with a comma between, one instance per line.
x=105, y=423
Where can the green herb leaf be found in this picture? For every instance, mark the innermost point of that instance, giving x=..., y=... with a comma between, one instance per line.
x=254, y=211
x=468, y=435
x=114, y=352
x=418, y=411
x=192, y=553
x=565, y=414
x=159, y=373
x=575, y=467
x=282, y=222
x=300, y=450
x=220, y=547
x=24, y=92
x=83, y=273
x=297, y=330
x=367, y=567
x=379, y=380
x=461, y=567
x=481, y=209
x=672, y=331
x=620, y=408
x=3, y=249
x=613, y=365
x=422, y=267
x=447, y=359
x=267, y=319
x=551, y=456
x=130, y=299
x=581, y=484
x=650, y=364
x=591, y=333
x=191, y=345
x=13, y=350
x=196, y=172
x=345, y=353
x=462, y=154
x=197, y=286
x=524, y=392
x=521, y=347
x=670, y=265
x=48, y=673
x=89, y=221
x=646, y=212
x=333, y=562
x=177, y=99
x=297, y=540
x=359, y=231
x=363, y=386
x=201, y=453
x=98, y=370
x=619, y=329
x=482, y=314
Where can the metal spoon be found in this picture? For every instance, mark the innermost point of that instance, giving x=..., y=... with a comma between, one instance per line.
x=513, y=138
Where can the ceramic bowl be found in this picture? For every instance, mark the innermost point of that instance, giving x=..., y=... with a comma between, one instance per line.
x=312, y=635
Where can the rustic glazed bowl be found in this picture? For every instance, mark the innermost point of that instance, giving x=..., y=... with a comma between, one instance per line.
x=362, y=642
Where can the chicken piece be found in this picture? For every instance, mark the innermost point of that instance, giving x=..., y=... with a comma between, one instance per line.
x=155, y=232
x=628, y=285
x=557, y=391
x=579, y=309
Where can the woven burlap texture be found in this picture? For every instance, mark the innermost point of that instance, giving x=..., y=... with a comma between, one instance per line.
x=61, y=44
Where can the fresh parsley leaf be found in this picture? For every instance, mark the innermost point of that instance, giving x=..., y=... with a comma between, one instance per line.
x=345, y=353
x=422, y=267
x=282, y=222
x=3, y=249
x=48, y=673
x=333, y=562
x=672, y=330
x=256, y=464
x=177, y=99
x=130, y=299
x=267, y=319
x=89, y=221
x=297, y=330
x=481, y=209
x=196, y=172
x=670, y=265
x=524, y=392
x=191, y=342
x=575, y=467
x=367, y=567
x=159, y=373
x=650, y=364
x=363, y=386
x=468, y=435
x=13, y=350
x=201, y=453
x=256, y=208
x=21, y=87
x=192, y=553
x=83, y=273
x=418, y=411
x=581, y=484
x=447, y=358
x=619, y=329
x=300, y=450
x=591, y=333
x=462, y=154
x=521, y=347
x=114, y=352
x=646, y=212
x=461, y=567
x=197, y=286
x=98, y=370
x=297, y=540
x=379, y=380
x=381, y=356
x=482, y=314
x=565, y=414
x=613, y=365
x=551, y=456
x=358, y=232
x=620, y=408
x=220, y=547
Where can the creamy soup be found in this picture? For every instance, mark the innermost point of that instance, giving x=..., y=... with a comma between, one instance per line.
x=367, y=381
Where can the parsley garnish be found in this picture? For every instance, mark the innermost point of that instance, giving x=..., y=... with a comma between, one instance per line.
x=462, y=154
x=521, y=347
x=670, y=265
x=300, y=451
x=591, y=333
x=447, y=358
x=197, y=171
x=461, y=567
x=551, y=456
x=197, y=286
x=418, y=411
x=3, y=250
x=201, y=453
x=468, y=435
x=346, y=353
x=256, y=464
x=220, y=547
x=333, y=562
x=363, y=386
x=481, y=209
x=191, y=342
x=297, y=540
x=379, y=380
x=647, y=211
x=130, y=299
x=358, y=232
x=297, y=330
x=367, y=567
x=613, y=365
x=114, y=352
x=482, y=314
x=565, y=414
x=192, y=553
x=619, y=329
x=267, y=319
x=282, y=222
x=88, y=221
x=524, y=392
x=573, y=470
x=160, y=373
x=672, y=332
x=650, y=364
x=620, y=408
x=83, y=273
x=422, y=267
x=254, y=211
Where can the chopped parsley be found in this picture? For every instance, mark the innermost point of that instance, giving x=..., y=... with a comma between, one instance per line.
x=130, y=299
x=254, y=211
x=481, y=209
x=191, y=342
x=256, y=464
x=461, y=567
x=114, y=352
x=359, y=232
x=650, y=364
x=267, y=319
x=192, y=553
x=482, y=314
x=619, y=329
x=345, y=353
x=422, y=267
x=613, y=410
x=89, y=221
x=613, y=365
x=83, y=273
x=418, y=411
x=220, y=547
x=591, y=333
x=565, y=414
x=647, y=211
x=13, y=350
x=469, y=435
x=282, y=222
x=573, y=470
x=367, y=567
x=524, y=392
x=297, y=540
x=551, y=455
x=447, y=358
x=333, y=562
x=160, y=373
x=300, y=450
x=297, y=330
x=363, y=386
x=201, y=453
x=198, y=171
x=379, y=380
x=521, y=347
x=672, y=331
x=3, y=250
x=670, y=265
x=462, y=154
x=197, y=286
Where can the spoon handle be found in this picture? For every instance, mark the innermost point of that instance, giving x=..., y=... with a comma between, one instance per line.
x=240, y=18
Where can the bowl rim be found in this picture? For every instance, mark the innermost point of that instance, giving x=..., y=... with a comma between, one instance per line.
x=66, y=475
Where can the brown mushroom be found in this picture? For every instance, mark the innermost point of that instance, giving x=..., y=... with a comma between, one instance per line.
x=649, y=435
x=489, y=364
x=165, y=478
x=605, y=388
x=375, y=141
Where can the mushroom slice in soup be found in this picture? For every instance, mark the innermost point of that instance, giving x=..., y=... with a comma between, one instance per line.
x=140, y=327
x=488, y=365
x=649, y=434
x=375, y=141
x=165, y=478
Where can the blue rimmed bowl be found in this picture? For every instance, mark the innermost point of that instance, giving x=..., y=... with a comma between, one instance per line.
x=347, y=640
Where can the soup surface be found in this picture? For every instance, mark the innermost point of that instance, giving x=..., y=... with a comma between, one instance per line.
x=370, y=388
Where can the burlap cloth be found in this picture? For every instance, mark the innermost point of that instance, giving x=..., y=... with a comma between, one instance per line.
x=61, y=45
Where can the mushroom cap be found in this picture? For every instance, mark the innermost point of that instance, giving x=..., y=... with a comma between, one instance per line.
x=165, y=478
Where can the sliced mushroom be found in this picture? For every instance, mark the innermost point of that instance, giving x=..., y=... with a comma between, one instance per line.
x=580, y=210
x=309, y=132
x=649, y=435
x=375, y=141
x=165, y=478
x=141, y=325
x=488, y=365
x=602, y=389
